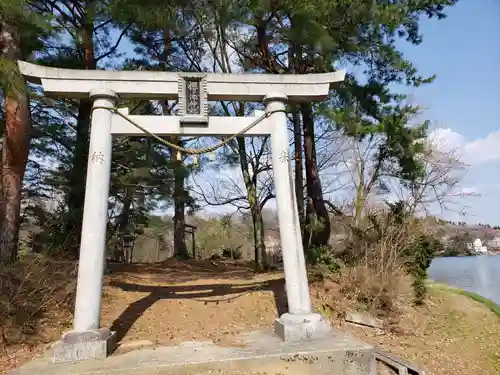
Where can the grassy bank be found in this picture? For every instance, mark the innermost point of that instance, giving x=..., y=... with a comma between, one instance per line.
x=455, y=332
x=491, y=305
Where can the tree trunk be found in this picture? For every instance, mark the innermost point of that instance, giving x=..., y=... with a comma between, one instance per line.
x=16, y=146
x=299, y=170
x=77, y=179
x=123, y=223
x=258, y=227
x=255, y=210
x=260, y=246
x=180, y=194
x=2, y=196
x=180, y=248
x=78, y=173
x=359, y=203
x=124, y=217
x=318, y=229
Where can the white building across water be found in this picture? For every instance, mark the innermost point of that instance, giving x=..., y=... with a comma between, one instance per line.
x=478, y=247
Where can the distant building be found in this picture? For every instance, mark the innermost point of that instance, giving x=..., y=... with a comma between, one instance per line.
x=478, y=247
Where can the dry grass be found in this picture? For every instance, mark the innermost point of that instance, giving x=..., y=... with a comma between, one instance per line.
x=29, y=290
x=36, y=298
x=361, y=289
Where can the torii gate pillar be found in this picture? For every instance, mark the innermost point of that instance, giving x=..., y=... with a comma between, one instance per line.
x=193, y=90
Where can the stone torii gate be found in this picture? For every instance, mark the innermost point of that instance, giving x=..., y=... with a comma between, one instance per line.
x=88, y=340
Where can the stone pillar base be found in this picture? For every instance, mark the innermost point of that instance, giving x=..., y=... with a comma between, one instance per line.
x=302, y=327
x=81, y=346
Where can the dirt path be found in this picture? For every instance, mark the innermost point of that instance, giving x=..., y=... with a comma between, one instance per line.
x=174, y=302
x=208, y=302
x=451, y=334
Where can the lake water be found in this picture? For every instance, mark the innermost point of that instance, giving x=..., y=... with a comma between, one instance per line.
x=479, y=274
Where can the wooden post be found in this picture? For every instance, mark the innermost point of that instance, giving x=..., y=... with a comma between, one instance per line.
x=158, y=247
x=191, y=229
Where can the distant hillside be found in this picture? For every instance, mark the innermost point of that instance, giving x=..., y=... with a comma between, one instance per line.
x=457, y=236
x=235, y=232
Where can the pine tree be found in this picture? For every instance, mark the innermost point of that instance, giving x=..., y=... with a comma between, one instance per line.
x=314, y=39
x=20, y=30
x=82, y=41
x=157, y=42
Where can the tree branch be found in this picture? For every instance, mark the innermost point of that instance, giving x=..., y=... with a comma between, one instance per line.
x=113, y=49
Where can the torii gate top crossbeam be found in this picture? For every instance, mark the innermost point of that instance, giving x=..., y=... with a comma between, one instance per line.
x=77, y=83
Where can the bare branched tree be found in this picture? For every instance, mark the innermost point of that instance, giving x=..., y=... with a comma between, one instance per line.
x=440, y=186
x=361, y=173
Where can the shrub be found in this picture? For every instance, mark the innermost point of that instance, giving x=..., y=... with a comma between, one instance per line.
x=323, y=261
x=379, y=252
x=419, y=258
x=28, y=290
x=371, y=291
x=216, y=239
x=232, y=253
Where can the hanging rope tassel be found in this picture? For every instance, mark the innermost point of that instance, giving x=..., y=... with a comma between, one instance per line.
x=212, y=156
x=179, y=156
x=195, y=159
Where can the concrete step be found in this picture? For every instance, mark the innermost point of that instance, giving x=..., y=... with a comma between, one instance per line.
x=254, y=353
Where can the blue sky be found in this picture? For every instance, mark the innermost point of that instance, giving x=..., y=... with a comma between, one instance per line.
x=464, y=52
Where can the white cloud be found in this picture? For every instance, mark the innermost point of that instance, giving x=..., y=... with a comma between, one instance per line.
x=478, y=151
x=469, y=190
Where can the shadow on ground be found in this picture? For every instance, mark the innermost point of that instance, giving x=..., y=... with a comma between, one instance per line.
x=207, y=294
x=175, y=271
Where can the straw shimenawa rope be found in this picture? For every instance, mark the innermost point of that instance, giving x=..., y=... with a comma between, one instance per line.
x=190, y=151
